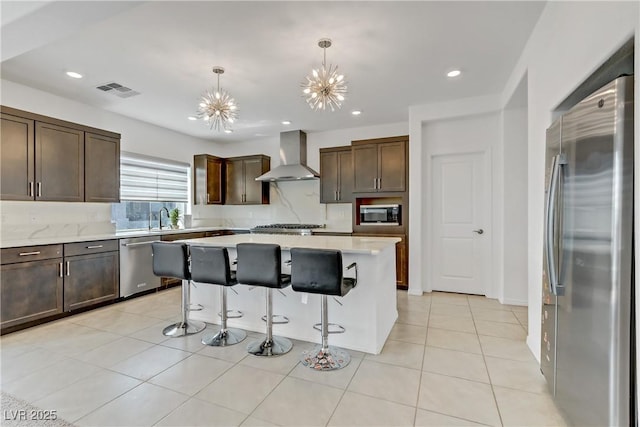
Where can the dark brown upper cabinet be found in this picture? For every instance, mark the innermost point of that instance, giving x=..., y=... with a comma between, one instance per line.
x=241, y=185
x=53, y=160
x=101, y=168
x=208, y=180
x=380, y=165
x=59, y=163
x=336, y=175
x=17, y=161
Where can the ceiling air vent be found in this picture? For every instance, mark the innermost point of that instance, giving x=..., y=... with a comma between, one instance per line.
x=118, y=90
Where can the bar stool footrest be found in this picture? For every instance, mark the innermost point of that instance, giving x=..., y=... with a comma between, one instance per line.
x=181, y=329
x=230, y=336
x=275, y=347
x=232, y=314
x=195, y=307
x=329, y=360
x=284, y=320
x=338, y=328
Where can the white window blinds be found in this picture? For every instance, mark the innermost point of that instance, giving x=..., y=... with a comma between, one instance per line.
x=145, y=178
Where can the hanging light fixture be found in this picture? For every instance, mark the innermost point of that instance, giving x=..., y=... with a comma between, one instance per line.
x=218, y=109
x=325, y=87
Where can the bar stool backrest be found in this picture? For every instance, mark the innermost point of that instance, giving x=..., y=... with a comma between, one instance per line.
x=317, y=271
x=211, y=265
x=259, y=264
x=171, y=259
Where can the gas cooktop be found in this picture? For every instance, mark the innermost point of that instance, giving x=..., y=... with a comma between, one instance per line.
x=299, y=229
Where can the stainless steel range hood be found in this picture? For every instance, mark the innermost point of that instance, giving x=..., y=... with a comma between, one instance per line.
x=293, y=159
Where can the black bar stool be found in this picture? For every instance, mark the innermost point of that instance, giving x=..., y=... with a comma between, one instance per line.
x=319, y=271
x=259, y=264
x=211, y=265
x=172, y=260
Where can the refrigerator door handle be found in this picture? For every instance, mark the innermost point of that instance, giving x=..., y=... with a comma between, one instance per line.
x=557, y=163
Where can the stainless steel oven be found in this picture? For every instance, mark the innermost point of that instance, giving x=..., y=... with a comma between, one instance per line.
x=380, y=214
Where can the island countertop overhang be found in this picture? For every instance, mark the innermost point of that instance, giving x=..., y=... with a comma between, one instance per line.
x=345, y=244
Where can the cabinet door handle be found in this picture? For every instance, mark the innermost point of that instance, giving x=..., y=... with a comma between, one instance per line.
x=335, y=196
x=339, y=195
x=68, y=268
x=207, y=197
x=29, y=253
x=375, y=183
x=94, y=247
x=30, y=190
x=379, y=183
x=60, y=269
x=39, y=189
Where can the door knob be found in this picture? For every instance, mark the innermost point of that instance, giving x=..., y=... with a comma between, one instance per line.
x=479, y=231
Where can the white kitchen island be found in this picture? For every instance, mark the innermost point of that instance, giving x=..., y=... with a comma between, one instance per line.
x=367, y=313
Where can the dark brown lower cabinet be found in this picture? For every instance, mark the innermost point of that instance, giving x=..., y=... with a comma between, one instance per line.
x=90, y=279
x=30, y=291
x=39, y=282
x=402, y=263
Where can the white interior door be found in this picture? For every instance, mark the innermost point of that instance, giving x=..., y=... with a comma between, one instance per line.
x=460, y=218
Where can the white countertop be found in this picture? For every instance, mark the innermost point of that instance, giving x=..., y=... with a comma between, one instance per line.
x=125, y=234
x=346, y=244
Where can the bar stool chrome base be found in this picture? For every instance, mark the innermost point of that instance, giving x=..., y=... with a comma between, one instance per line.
x=276, y=346
x=325, y=360
x=181, y=329
x=230, y=336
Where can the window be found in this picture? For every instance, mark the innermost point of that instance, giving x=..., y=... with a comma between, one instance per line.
x=148, y=184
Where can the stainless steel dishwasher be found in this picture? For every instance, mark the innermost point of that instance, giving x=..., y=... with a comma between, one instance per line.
x=136, y=265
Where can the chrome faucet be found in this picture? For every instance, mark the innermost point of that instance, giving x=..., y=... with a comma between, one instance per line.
x=160, y=216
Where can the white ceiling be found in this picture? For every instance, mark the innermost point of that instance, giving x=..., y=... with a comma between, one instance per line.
x=393, y=55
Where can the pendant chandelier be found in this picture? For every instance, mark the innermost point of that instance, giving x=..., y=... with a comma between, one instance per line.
x=217, y=108
x=325, y=87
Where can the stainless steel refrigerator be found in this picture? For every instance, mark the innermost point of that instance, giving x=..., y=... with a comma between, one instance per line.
x=588, y=332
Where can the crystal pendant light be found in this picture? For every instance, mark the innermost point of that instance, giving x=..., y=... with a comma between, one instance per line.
x=217, y=108
x=325, y=87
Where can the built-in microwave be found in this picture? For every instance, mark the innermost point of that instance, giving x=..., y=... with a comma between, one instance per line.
x=379, y=214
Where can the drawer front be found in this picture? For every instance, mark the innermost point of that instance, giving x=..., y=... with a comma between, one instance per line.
x=30, y=253
x=86, y=248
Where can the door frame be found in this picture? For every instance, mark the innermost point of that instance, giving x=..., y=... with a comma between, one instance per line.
x=428, y=206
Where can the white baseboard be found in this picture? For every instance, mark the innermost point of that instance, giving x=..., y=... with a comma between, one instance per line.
x=510, y=301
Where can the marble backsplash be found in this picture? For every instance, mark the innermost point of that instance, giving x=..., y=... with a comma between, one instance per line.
x=291, y=202
x=20, y=220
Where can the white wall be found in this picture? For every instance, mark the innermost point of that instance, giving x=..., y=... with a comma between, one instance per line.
x=568, y=44
x=515, y=217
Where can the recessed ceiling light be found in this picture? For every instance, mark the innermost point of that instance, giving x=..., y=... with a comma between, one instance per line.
x=74, y=74
x=356, y=112
x=228, y=131
x=454, y=73
x=192, y=118
x=286, y=122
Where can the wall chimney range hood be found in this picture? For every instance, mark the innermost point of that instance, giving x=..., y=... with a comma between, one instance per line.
x=293, y=159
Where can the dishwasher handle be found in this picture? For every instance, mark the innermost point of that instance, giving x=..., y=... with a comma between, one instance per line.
x=133, y=245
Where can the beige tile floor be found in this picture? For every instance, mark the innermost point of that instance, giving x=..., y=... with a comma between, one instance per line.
x=451, y=360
